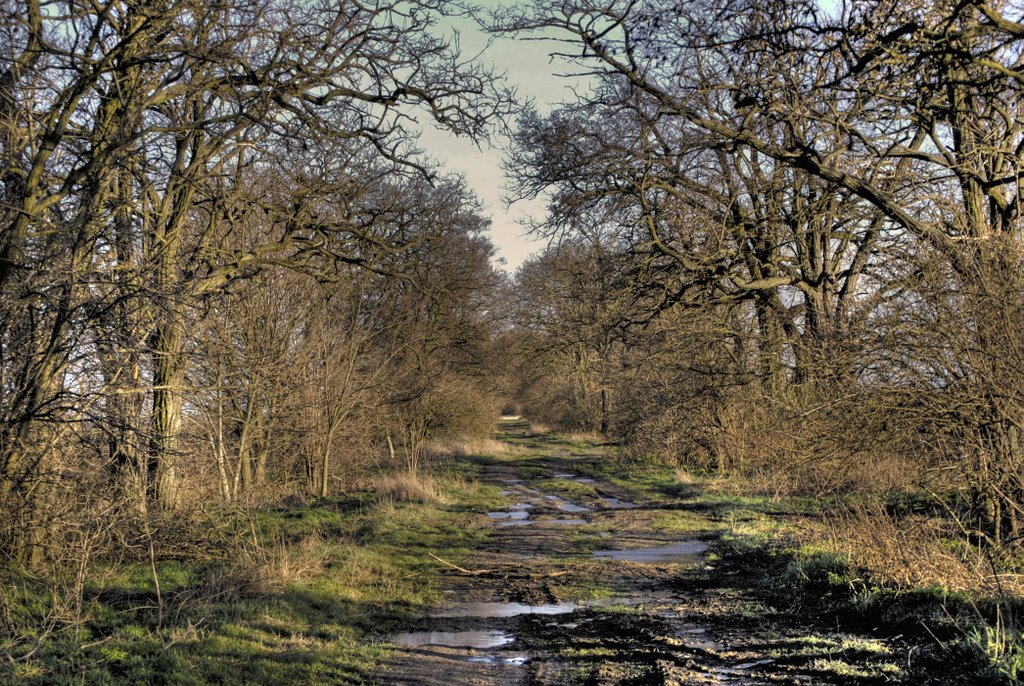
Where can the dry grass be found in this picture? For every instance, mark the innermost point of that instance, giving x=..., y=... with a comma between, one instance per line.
x=798, y=446
x=583, y=436
x=297, y=562
x=267, y=567
x=407, y=487
x=467, y=446
x=913, y=552
x=684, y=477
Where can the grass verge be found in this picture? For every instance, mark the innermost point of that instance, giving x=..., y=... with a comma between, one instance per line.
x=907, y=577
x=299, y=595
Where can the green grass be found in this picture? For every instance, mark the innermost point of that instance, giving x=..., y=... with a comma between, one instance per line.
x=683, y=522
x=582, y=590
x=1000, y=647
x=566, y=487
x=333, y=580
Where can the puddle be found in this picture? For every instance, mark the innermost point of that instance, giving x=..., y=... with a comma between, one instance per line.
x=570, y=507
x=503, y=610
x=521, y=506
x=684, y=552
x=584, y=480
x=515, y=660
x=454, y=639
x=532, y=522
x=520, y=514
x=565, y=476
x=565, y=505
x=616, y=504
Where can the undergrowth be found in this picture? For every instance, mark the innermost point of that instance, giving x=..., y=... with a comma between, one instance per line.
x=285, y=595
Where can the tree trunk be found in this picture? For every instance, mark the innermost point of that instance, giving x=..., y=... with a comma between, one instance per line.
x=166, y=420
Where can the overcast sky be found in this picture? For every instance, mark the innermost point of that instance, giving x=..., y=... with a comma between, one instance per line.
x=531, y=72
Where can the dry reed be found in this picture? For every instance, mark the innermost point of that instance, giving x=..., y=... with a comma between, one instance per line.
x=407, y=487
x=913, y=552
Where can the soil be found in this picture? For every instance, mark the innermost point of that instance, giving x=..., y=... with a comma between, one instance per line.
x=541, y=608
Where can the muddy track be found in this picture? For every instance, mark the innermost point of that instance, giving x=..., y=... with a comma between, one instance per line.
x=578, y=589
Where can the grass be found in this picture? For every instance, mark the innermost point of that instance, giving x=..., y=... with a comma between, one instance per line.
x=469, y=447
x=406, y=487
x=308, y=596
x=582, y=591
x=874, y=569
x=1001, y=647
x=683, y=522
x=566, y=487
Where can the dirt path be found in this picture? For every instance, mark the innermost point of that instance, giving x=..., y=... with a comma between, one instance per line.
x=579, y=588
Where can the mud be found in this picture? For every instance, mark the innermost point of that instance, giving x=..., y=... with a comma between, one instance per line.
x=616, y=504
x=659, y=613
x=512, y=515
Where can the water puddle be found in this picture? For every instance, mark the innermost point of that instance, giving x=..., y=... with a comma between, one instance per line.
x=739, y=674
x=514, y=660
x=519, y=514
x=696, y=637
x=565, y=476
x=503, y=610
x=571, y=507
x=584, y=480
x=454, y=639
x=684, y=552
x=532, y=522
x=616, y=504
x=565, y=505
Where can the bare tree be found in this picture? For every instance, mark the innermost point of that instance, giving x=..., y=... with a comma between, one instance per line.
x=138, y=144
x=907, y=113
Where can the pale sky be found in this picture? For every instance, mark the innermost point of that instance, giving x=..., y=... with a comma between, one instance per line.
x=530, y=71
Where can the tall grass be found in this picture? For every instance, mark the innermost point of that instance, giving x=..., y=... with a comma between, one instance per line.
x=1001, y=646
x=469, y=446
x=407, y=487
x=913, y=552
